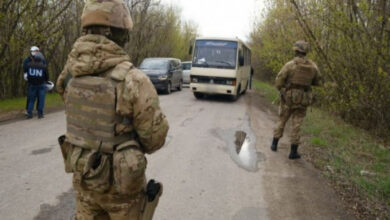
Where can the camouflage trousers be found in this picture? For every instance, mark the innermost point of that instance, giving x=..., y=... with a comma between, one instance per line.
x=105, y=206
x=297, y=115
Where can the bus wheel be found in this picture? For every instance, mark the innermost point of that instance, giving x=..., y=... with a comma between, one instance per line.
x=237, y=95
x=198, y=95
x=246, y=88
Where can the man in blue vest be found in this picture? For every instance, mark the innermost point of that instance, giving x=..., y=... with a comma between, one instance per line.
x=34, y=51
x=37, y=76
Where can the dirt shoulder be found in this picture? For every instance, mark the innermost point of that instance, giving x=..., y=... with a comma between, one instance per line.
x=294, y=189
x=15, y=115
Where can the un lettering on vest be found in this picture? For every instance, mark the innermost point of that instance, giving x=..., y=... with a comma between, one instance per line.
x=36, y=72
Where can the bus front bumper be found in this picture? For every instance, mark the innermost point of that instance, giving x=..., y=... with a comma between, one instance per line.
x=213, y=88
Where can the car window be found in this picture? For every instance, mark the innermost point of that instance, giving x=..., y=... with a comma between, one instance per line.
x=186, y=66
x=171, y=65
x=154, y=64
x=176, y=64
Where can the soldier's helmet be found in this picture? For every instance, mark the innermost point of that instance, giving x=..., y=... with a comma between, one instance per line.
x=111, y=13
x=301, y=46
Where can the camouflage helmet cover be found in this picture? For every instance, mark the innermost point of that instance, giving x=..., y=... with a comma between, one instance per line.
x=112, y=13
x=301, y=46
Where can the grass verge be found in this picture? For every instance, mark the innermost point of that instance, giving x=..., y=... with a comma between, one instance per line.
x=53, y=100
x=349, y=157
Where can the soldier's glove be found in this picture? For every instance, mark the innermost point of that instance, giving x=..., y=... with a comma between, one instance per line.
x=152, y=190
x=153, y=193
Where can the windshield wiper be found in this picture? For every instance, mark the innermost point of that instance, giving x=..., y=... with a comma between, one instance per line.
x=204, y=64
x=225, y=62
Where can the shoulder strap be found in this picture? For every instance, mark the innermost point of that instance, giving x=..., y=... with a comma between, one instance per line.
x=120, y=71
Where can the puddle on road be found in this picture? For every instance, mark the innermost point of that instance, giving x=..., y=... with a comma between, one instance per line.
x=241, y=145
x=241, y=140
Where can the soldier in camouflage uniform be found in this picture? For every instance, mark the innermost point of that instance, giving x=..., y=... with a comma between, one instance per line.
x=294, y=82
x=113, y=119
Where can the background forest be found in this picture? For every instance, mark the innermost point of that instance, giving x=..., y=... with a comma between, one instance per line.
x=350, y=41
x=53, y=26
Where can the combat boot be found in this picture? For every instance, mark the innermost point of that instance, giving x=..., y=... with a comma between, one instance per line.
x=274, y=146
x=294, y=152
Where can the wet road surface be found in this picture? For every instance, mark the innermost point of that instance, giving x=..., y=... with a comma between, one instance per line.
x=216, y=164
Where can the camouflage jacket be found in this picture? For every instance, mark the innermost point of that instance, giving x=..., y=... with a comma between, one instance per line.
x=137, y=98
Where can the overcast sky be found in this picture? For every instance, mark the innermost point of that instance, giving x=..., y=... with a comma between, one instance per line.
x=220, y=18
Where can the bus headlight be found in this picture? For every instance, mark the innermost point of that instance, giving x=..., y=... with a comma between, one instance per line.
x=231, y=82
x=194, y=80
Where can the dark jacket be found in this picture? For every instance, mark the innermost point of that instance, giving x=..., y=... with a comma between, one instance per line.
x=36, y=70
x=29, y=59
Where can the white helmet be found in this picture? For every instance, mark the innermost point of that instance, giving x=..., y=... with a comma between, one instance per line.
x=49, y=85
x=34, y=50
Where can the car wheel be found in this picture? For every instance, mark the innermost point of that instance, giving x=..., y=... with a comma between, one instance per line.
x=168, y=89
x=198, y=95
x=180, y=87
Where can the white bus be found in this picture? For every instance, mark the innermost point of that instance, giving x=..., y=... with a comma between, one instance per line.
x=220, y=66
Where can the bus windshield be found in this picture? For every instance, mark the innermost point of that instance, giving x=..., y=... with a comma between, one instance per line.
x=215, y=54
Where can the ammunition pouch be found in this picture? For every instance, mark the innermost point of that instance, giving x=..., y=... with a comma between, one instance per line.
x=129, y=168
x=97, y=172
x=307, y=98
x=92, y=170
x=124, y=169
x=153, y=193
x=300, y=97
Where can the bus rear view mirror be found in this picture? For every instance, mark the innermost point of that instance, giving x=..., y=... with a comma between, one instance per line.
x=241, y=60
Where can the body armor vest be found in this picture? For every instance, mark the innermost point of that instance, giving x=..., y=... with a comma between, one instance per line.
x=303, y=73
x=91, y=116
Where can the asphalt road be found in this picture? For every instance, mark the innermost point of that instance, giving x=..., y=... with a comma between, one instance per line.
x=216, y=164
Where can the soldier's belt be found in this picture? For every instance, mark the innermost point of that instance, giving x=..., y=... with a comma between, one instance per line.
x=304, y=88
x=105, y=144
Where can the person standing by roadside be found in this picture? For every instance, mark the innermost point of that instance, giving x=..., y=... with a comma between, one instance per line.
x=37, y=75
x=34, y=51
x=294, y=83
x=251, y=78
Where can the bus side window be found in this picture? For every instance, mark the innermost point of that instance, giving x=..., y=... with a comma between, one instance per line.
x=249, y=57
x=246, y=55
x=241, y=58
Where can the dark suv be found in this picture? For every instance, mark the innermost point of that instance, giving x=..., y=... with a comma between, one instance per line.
x=165, y=73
